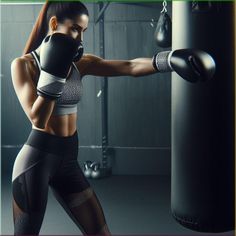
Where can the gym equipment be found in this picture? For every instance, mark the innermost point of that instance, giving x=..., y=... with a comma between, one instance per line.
x=87, y=169
x=163, y=30
x=202, y=188
x=95, y=174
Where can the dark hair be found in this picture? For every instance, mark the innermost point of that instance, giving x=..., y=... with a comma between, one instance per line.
x=62, y=10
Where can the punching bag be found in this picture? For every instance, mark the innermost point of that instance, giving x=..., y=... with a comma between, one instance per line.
x=202, y=174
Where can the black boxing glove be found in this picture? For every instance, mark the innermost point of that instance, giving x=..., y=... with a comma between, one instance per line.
x=79, y=52
x=191, y=64
x=56, y=56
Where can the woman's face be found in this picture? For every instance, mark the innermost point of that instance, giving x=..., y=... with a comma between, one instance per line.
x=75, y=29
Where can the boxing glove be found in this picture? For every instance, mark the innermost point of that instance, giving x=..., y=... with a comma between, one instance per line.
x=191, y=64
x=79, y=52
x=56, y=55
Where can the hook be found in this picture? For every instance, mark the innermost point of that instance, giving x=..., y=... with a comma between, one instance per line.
x=164, y=6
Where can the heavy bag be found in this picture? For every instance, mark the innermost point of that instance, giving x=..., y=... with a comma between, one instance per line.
x=163, y=31
x=202, y=188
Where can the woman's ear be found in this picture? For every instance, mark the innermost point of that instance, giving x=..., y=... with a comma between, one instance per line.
x=53, y=23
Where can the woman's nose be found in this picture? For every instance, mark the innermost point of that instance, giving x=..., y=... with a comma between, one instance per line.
x=80, y=37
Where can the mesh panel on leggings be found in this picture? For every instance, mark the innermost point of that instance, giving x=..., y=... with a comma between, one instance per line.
x=86, y=213
x=26, y=223
x=29, y=203
x=21, y=219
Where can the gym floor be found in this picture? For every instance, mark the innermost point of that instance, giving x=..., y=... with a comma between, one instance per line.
x=138, y=205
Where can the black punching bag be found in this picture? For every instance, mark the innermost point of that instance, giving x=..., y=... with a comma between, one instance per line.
x=202, y=188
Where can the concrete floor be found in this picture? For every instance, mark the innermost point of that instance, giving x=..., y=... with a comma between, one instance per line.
x=138, y=205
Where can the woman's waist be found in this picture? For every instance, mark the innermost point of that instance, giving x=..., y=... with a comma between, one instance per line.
x=53, y=143
x=61, y=125
x=61, y=131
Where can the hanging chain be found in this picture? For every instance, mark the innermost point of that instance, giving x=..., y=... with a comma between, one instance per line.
x=164, y=6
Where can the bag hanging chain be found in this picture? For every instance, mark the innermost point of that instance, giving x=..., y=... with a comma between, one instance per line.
x=164, y=6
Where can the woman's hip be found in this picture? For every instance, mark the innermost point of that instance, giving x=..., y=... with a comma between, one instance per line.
x=45, y=150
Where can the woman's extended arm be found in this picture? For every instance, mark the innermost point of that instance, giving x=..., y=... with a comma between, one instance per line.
x=191, y=64
x=38, y=109
x=93, y=65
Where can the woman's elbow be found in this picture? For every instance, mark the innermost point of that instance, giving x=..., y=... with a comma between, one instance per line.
x=37, y=122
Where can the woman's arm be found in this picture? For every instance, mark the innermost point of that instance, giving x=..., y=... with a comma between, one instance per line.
x=38, y=109
x=191, y=64
x=93, y=65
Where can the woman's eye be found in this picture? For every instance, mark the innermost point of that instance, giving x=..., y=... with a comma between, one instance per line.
x=75, y=30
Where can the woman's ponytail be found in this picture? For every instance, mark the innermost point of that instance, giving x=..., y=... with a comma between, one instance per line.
x=62, y=10
x=38, y=32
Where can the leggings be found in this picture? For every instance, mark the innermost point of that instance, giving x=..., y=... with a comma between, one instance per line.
x=49, y=160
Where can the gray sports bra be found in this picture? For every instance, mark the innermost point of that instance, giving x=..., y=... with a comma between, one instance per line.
x=72, y=92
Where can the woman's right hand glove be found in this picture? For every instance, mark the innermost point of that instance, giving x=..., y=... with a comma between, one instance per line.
x=56, y=55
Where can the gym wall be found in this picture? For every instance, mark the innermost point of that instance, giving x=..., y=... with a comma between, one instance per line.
x=138, y=108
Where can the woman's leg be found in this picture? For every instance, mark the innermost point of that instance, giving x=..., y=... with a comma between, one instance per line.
x=30, y=191
x=74, y=193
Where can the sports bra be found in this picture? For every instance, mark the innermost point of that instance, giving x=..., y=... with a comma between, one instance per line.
x=72, y=91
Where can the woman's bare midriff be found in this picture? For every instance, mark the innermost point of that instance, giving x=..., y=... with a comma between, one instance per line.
x=63, y=126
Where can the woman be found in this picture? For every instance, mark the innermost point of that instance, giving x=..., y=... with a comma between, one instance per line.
x=49, y=156
x=47, y=82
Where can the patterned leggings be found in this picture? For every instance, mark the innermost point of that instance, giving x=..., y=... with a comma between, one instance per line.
x=49, y=160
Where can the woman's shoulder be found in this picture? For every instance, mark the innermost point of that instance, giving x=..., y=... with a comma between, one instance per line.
x=24, y=64
x=23, y=60
x=85, y=62
x=88, y=58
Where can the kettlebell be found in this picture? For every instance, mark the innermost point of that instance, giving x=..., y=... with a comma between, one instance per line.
x=87, y=169
x=96, y=173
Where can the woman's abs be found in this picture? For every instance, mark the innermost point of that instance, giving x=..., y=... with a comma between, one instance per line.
x=64, y=125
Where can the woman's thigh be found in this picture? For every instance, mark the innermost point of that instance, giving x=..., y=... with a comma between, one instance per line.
x=30, y=179
x=76, y=196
